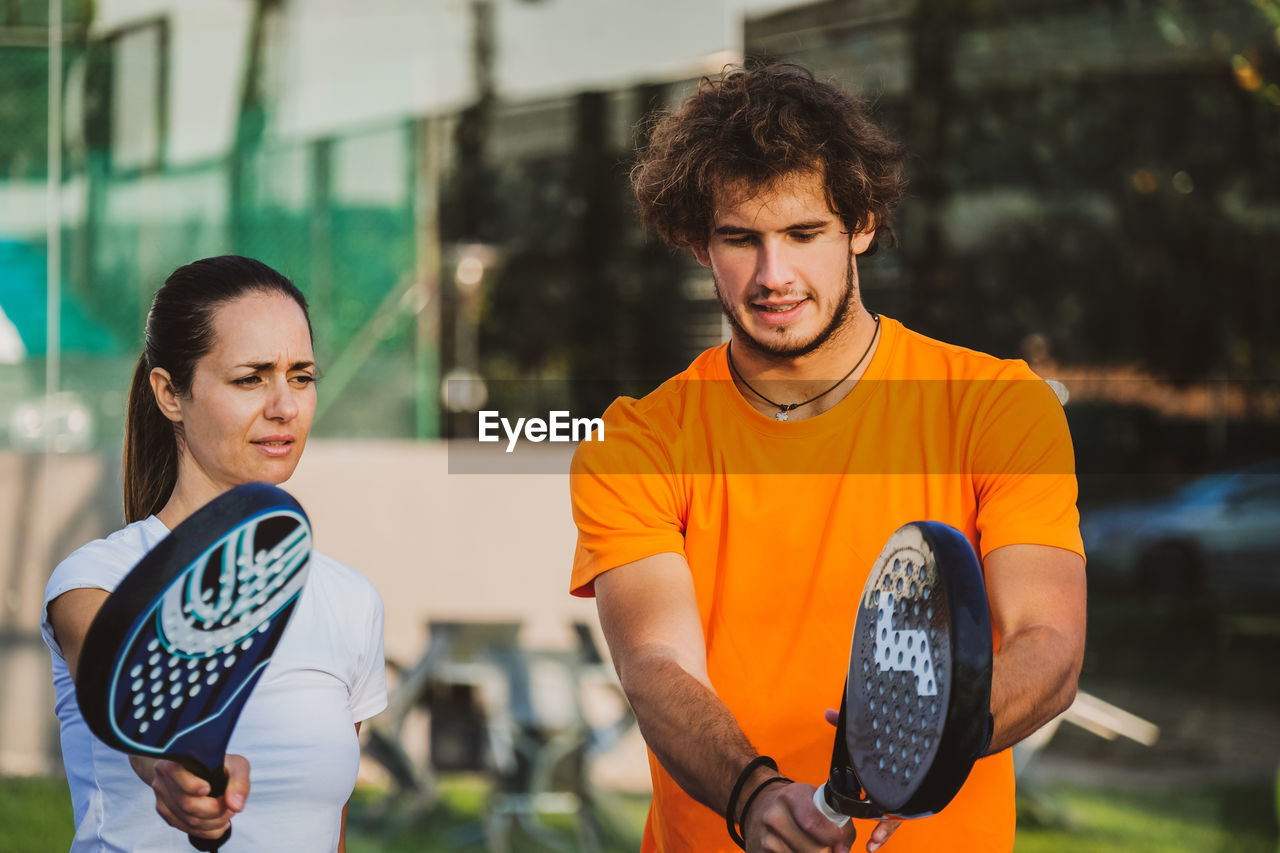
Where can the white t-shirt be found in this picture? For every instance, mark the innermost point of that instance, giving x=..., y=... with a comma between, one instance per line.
x=297, y=730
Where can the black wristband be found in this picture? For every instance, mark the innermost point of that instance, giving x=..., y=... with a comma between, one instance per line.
x=752, y=765
x=742, y=821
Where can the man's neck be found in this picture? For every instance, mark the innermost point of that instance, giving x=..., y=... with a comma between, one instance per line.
x=785, y=381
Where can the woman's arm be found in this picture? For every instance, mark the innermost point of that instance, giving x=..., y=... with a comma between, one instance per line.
x=70, y=616
x=182, y=798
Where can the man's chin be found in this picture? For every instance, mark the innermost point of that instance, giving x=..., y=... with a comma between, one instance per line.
x=782, y=342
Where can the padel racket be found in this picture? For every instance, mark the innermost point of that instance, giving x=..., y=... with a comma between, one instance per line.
x=175, y=650
x=915, y=714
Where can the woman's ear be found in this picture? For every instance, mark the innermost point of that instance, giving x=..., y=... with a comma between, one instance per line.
x=167, y=398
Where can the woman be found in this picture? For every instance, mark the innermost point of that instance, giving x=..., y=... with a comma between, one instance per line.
x=224, y=394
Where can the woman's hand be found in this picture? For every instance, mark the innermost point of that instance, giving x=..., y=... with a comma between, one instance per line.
x=182, y=797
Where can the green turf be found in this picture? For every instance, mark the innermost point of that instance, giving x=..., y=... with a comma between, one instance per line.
x=1157, y=819
x=456, y=823
x=35, y=815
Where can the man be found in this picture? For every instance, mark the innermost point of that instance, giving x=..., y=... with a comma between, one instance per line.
x=729, y=519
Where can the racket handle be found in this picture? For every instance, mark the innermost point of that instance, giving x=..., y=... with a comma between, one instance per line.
x=210, y=844
x=217, y=780
x=820, y=801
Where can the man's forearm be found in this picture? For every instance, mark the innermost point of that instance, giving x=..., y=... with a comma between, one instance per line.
x=689, y=729
x=1033, y=680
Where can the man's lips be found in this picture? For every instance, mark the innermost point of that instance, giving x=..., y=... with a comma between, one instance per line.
x=779, y=311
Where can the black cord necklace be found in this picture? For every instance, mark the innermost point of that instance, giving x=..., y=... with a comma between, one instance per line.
x=784, y=409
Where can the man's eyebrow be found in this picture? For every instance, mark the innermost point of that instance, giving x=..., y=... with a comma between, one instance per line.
x=813, y=225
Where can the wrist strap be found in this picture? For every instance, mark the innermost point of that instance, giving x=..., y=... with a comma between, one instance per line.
x=991, y=731
x=742, y=821
x=752, y=765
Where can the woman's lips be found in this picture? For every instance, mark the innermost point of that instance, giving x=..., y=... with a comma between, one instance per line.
x=274, y=445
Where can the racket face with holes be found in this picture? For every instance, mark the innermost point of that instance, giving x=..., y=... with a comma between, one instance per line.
x=919, y=686
x=176, y=649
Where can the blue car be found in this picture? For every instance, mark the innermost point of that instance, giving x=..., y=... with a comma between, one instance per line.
x=1218, y=535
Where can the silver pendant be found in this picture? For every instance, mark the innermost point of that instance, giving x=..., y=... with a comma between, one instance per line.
x=782, y=415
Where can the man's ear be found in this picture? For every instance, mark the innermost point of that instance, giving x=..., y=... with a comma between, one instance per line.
x=167, y=397
x=861, y=241
x=700, y=252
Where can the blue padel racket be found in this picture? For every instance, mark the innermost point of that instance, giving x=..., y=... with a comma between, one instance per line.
x=176, y=649
x=916, y=710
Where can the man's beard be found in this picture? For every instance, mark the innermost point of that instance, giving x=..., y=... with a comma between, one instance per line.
x=781, y=351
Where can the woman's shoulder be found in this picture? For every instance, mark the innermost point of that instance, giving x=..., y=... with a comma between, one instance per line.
x=340, y=579
x=103, y=562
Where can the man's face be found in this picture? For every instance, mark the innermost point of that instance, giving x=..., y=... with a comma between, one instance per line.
x=783, y=265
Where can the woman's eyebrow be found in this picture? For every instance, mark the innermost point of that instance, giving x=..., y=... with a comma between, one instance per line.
x=270, y=365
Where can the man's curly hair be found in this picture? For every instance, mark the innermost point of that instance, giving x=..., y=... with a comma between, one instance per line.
x=752, y=127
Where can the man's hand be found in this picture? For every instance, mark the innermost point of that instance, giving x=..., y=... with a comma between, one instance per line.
x=884, y=828
x=783, y=818
x=182, y=798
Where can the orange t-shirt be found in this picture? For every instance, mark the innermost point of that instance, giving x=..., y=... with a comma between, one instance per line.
x=781, y=523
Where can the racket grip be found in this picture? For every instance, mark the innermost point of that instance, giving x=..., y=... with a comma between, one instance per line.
x=217, y=779
x=211, y=844
x=820, y=801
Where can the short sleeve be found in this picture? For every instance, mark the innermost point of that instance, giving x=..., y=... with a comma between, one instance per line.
x=625, y=497
x=369, y=686
x=1024, y=468
x=101, y=564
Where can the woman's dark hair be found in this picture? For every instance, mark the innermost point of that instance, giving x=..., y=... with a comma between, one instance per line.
x=752, y=127
x=179, y=333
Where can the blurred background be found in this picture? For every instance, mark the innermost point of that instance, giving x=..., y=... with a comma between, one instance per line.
x=1094, y=187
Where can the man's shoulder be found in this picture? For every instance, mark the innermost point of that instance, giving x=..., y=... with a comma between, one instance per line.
x=918, y=356
x=669, y=405
x=640, y=433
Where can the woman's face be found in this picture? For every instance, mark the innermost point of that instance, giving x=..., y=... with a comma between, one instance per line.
x=252, y=397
